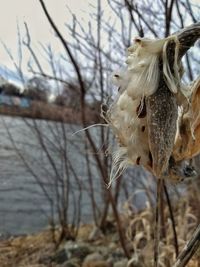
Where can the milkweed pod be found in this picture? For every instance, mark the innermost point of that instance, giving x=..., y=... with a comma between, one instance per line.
x=117, y=78
x=152, y=46
x=126, y=103
x=187, y=143
x=144, y=82
x=172, y=79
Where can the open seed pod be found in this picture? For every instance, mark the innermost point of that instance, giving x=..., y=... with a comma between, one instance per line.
x=127, y=115
x=144, y=116
x=187, y=143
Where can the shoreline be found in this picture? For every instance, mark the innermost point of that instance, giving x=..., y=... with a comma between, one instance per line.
x=51, y=112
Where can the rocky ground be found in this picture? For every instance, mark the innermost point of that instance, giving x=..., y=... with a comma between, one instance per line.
x=92, y=249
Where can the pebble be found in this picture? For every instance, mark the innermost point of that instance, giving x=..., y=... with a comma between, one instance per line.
x=122, y=263
x=96, y=256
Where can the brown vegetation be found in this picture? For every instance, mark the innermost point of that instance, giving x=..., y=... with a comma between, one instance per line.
x=52, y=112
x=27, y=251
x=157, y=20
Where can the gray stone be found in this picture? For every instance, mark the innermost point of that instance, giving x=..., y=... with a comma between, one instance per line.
x=74, y=250
x=93, y=257
x=122, y=263
x=60, y=256
x=113, y=245
x=104, y=250
x=118, y=255
x=70, y=263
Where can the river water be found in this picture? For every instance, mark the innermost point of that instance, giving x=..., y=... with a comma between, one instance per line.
x=26, y=170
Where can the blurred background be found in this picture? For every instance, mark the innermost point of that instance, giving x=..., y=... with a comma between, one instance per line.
x=54, y=75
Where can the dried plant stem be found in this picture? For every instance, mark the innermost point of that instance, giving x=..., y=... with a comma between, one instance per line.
x=157, y=221
x=162, y=113
x=189, y=249
x=162, y=217
x=172, y=220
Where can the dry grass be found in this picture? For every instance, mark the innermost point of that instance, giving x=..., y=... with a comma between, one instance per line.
x=27, y=251
x=141, y=230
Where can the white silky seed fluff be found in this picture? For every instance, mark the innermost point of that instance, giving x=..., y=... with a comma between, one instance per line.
x=139, y=80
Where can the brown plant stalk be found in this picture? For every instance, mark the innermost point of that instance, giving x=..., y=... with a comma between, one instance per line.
x=162, y=113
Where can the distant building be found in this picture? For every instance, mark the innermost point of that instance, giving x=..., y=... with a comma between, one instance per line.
x=22, y=102
x=10, y=95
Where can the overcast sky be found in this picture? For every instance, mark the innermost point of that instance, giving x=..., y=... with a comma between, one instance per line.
x=13, y=11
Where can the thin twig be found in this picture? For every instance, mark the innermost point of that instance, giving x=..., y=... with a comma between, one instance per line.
x=172, y=220
x=157, y=221
x=189, y=249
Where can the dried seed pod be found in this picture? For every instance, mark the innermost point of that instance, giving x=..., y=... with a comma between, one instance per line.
x=146, y=134
x=162, y=113
x=187, y=144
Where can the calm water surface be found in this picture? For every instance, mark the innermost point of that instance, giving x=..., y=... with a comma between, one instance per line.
x=24, y=208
